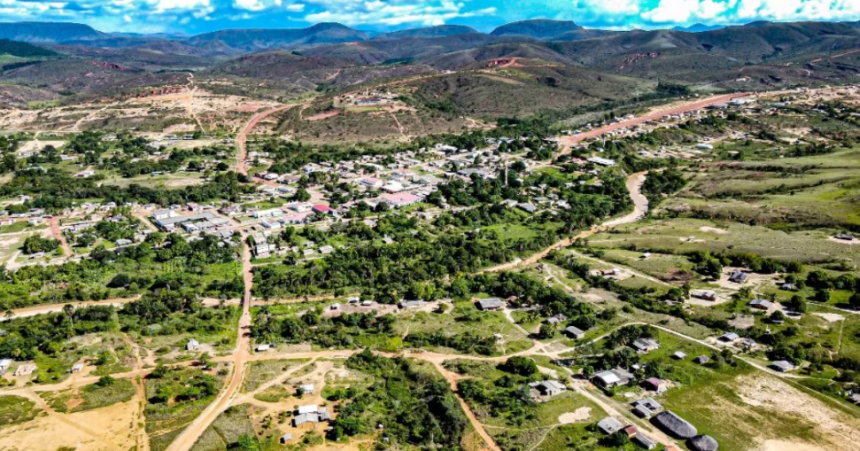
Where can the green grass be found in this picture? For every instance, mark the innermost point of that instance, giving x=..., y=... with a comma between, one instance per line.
x=225, y=431
x=275, y=393
x=21, y=226
x=258, y=373
x=90, y=397
x=15, y=409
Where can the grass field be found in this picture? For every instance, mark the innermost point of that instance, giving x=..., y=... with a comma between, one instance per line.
x=90, y=397
x=15, y=409
x=258, y=373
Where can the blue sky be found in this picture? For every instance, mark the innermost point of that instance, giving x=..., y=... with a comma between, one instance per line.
x=197, y=16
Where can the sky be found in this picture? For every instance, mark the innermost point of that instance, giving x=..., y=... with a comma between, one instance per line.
x=199, y=16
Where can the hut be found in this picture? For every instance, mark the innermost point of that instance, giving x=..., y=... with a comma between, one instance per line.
x=675, y=425
x=703, y=443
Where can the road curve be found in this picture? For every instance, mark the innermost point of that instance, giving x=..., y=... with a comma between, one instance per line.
x=249, y=127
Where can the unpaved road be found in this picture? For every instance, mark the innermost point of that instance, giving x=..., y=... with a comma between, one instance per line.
x=249, y=127
x=58, y=235
x=568, y=141
x=640, y=208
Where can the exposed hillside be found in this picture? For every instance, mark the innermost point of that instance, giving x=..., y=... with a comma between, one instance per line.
x=278, y=65
x=46, y=31
x=260, y=39
x=136, y=57
x=428, y=32
x=483, y=54
x=538, y=28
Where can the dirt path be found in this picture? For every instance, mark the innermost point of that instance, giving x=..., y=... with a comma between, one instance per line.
x=635, y=272
x=185, y=441
x=568, y=141
x=640, y=203
x=249, y=127
x=53, y=308
x=58, y=235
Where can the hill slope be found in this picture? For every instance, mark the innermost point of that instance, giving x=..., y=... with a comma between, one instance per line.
x=538, y=28
x=260, y=39
x=428, y=32
x=46, y=31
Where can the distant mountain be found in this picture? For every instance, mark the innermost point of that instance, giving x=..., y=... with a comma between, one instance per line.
x=261, y=39
x=428, y=32
x=698, y=28
x=46, y=31
x=537, y=28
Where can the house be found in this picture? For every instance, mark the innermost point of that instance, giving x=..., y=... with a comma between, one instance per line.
x=644, y=441
x=4, y=366
x=702, y=359
x=647, y=405
x=674, y=425
x=760, y=304
x=782, y=366
x=703, y=443
x=609, y=425
x=399, y=200
x=556, y=319
x=526, y=207
x=612, y=378
x=366, y=303
x=729, y=337
x=404, y=304
x=303, y=418
x=706, y=295
x=603, y=161
x=844, y=237
x=855, y=398
x=164, y=214
x=286, y=438
x=549, y=388
x=738, y=277
x=122, y=242
x=630, y=431
x=645, y=345
x=787, y=287
x=307, y=389
x=192, y=345
x=372, y=182
x=679, y=355
x=490, y=304
x=311, y=408
x=574, y=332
x=321, y=209
x=643, y=412
x=656, y=385
x=76, y=368
x=326, y=249
x=263, y=347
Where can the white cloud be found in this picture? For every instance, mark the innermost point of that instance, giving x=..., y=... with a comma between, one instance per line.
x=353, y=12
x=296, y=7
x=613, y=7
x=683, y=11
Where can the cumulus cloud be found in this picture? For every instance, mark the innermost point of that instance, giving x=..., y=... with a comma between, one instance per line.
x=683, y=11
x=352, y=12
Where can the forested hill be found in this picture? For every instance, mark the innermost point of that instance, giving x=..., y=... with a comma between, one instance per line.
x=23, y=49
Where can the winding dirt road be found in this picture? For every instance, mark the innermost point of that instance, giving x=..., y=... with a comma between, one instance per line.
x=249, y=127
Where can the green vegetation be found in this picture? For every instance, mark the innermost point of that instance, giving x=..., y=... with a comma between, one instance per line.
x=15, y=409
x=175, y=396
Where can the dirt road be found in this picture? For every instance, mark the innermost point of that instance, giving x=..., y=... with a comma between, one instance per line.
x=58, y=235
x=249, y=127
x=640, y=208
x=568, y=141
x=189, y=436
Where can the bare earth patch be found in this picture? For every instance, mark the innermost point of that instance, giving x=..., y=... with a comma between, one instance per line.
x=707, y=229
x=580, y=414
x=830, y=317
x=838, y=430
x=779, y=445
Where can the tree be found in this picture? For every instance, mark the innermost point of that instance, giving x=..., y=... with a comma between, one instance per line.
x=105, y=381
x=546, y=331
x=522, y=366
x=854, y=301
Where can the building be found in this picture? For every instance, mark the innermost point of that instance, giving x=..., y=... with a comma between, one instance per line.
x=655, y=384
x=844, y=237
x=399, y=200
x=263, y=347
x=76, y=368
x=489, y=304
x=729, y=337
x=303, y=418
x=679, y=355
x=549, y=388
x=706, y=295
x=702, y=359
x=782, y=366
x=270, y=213
x=760, y=304
x=192, y=345
x=738, y=277
x=574, y=332
x=645, y=345
x=674, y=425
x=556, y=319
x=25, y=370
x=612, y=378
x=644, y=441
x=609, y=425
x=311, y=408
x=286, y=438
x=372, y=182
x=322, y=209
x=526, y=207
x=602, y=161
x=404, y=304
x=164, y=214
x=307, y=389
x=4, y=366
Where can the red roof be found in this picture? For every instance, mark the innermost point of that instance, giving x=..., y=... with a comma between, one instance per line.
x=322, y=208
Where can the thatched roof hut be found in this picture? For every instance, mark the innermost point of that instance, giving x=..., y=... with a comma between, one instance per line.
x=703, y=443
x=675, y=425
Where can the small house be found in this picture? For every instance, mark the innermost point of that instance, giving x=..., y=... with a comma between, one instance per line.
x=644, y=441
x=286, y=438
x=303, y=418
x=703, y=443
x=76, y=368
x=574, y=332
x=307, y=389
x=679, y=355
x=609, y=425
x=782, y=366
x=655, y=384
x=310, y=408
x=4, y=366
x=263, y=347
x=556, y=319
x=645, y=345
x=706, y=295
x=702, y=359
x=674, y=425
x=490, y=304
x=845, y=237
x=729, y=337
x=549, y=388
x=760, y=304
x=738, y=277
x=192, y=345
